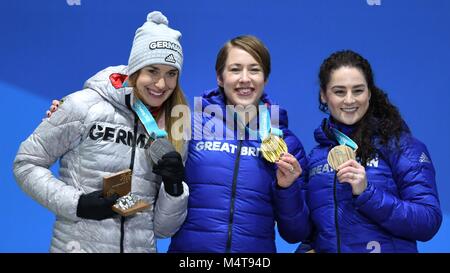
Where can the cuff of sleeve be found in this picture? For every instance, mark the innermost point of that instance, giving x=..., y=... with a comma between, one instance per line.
x=184, y=191
x=360, y=200
x=72, y=208
x=284, y=193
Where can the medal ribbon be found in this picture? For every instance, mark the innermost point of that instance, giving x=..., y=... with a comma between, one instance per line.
x=344, y=139
x=265, y=128
x=147, y=119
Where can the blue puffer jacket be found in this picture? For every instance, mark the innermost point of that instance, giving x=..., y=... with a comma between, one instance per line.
x=399, y=206
x=234, y=200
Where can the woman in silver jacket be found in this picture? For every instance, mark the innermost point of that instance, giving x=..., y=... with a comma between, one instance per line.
x=98, y=131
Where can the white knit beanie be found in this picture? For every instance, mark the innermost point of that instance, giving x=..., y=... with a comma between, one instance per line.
x=155, y=43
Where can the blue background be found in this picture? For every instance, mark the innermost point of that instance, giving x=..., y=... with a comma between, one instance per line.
x=49, y=48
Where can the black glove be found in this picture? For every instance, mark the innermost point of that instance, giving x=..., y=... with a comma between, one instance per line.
x=96, y=207
x=171, y=168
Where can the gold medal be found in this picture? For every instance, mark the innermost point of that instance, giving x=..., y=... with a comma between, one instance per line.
x=340, y=154
x=272, y=147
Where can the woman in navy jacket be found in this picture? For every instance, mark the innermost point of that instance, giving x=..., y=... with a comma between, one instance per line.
x=236, y=196
x=386, y=199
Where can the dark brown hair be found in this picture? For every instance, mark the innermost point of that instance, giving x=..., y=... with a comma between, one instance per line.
x=382, y=119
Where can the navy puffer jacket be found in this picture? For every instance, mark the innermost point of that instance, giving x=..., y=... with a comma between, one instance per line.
x=234, y=200
x=399, y=207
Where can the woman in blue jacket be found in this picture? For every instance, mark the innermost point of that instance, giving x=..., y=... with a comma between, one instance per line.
x=386, y=199
x=236, y=196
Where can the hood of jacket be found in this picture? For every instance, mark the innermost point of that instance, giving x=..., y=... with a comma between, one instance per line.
x=110, y=84
x=216, y=97
x=323, y=135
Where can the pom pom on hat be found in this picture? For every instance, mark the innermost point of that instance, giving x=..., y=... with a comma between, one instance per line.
x=158, y=18
x=155, y=43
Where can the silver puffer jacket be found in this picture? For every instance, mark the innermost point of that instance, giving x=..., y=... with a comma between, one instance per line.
x=92, y=134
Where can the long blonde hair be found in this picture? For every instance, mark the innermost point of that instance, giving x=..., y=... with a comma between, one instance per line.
x=176, y=98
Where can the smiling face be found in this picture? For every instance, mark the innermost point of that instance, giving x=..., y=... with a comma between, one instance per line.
x=242, y=78
x=347, y=95
x=155, y=83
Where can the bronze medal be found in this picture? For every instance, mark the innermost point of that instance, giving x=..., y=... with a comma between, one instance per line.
x=340, y=154
x=272, y=147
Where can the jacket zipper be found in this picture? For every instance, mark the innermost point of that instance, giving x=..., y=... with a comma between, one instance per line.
x=338, y=235
x=122, y=232
x=233, y=197
x=133, y=153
